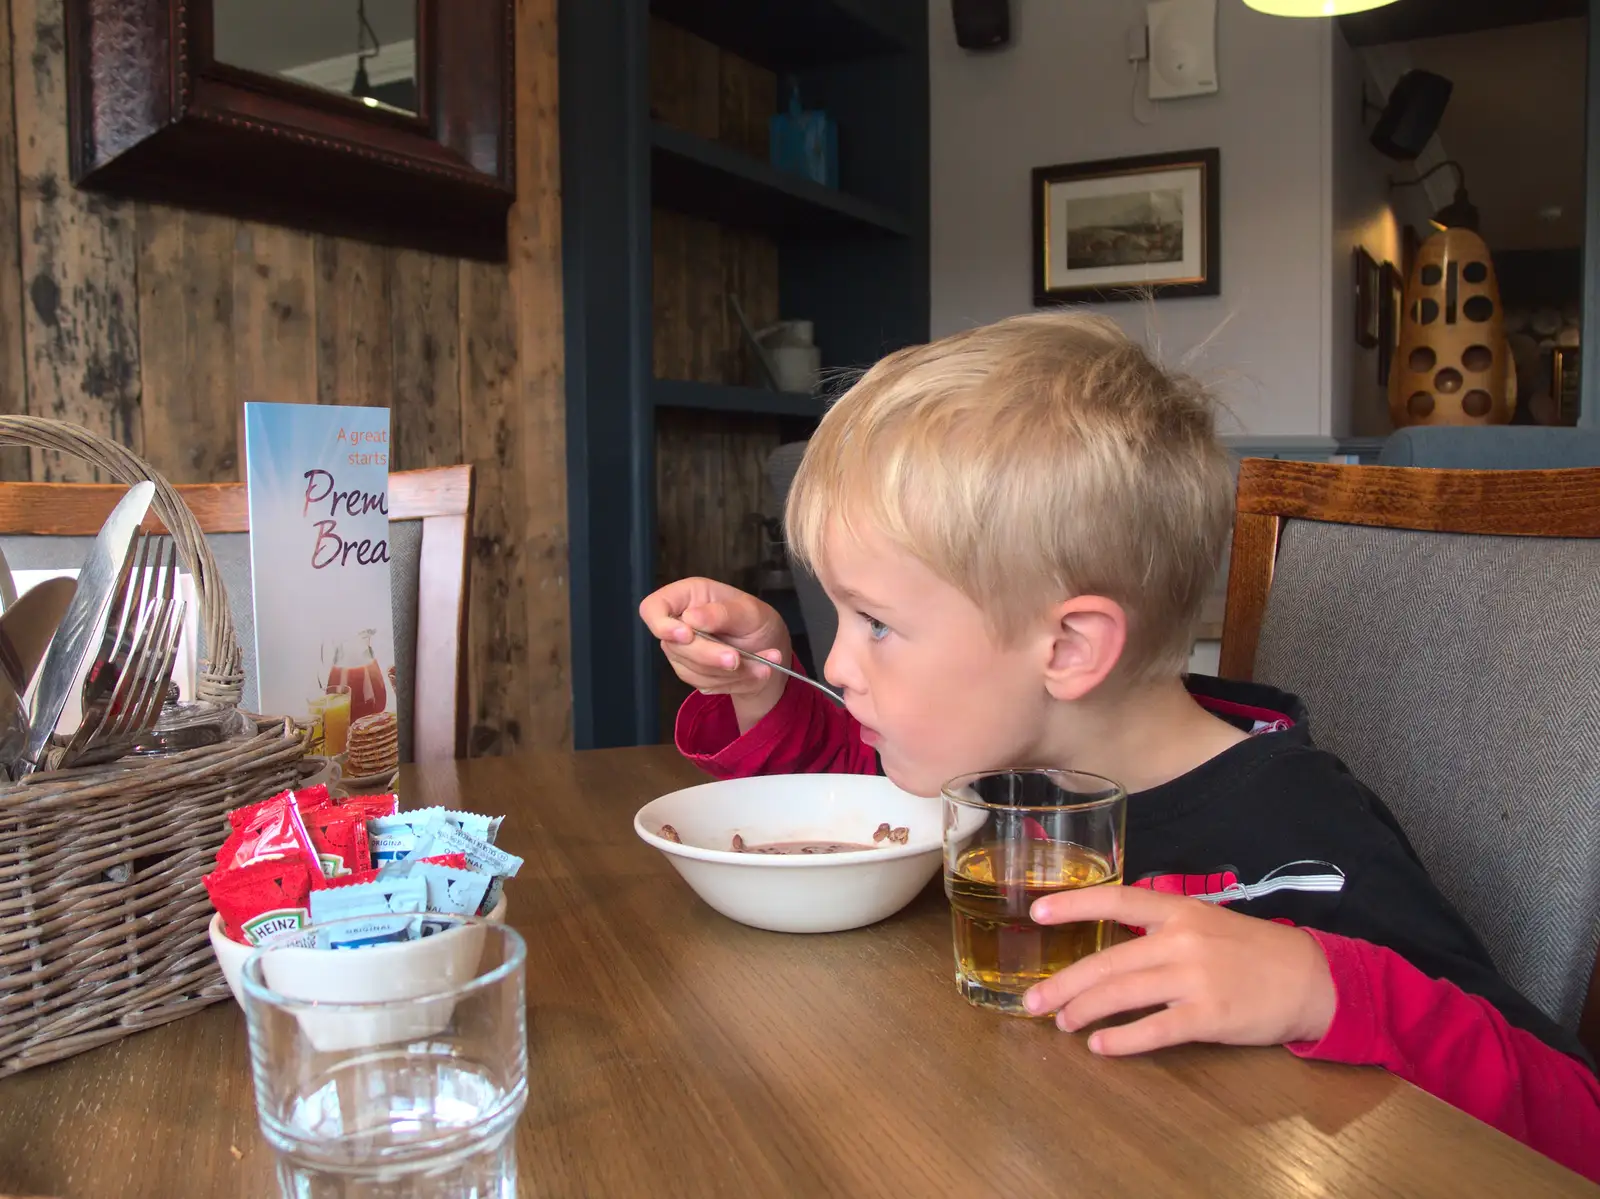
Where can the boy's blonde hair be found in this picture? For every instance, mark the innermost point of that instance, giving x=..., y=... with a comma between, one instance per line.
x=1042, y=457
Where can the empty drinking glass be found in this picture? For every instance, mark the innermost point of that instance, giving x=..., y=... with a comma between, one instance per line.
x=394, y=1070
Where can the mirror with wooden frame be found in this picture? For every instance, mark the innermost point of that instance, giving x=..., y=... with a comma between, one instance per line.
x=387, y=120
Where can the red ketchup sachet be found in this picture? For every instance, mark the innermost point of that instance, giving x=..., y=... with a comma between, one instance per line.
x=273, y=828
x=311, y=798
x=262, y=898
x=340, y=839
x=307, y=800
x=346, y=880
x=240, y=817
x=370, y=806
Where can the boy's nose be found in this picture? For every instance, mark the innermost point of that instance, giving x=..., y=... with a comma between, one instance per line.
x=839, y=669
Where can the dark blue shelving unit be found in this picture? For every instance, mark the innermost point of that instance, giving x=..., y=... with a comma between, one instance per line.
x=728, y=397
x=708, y=179
x=854, y=260
x=788, y=35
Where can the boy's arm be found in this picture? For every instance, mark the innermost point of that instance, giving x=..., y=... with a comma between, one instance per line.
x=743, y=718
x=804, y=733
x=1390, y=901
x=1217, y=975
x=1460, y=1048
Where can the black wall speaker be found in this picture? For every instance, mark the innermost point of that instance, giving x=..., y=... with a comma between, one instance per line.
x=1412, y=114
x=981, y=24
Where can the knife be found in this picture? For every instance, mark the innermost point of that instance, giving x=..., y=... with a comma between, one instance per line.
x=81, y=626
x=8, y=586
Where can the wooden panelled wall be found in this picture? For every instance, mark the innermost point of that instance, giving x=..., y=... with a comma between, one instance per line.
x=708, y=464
x=154, y=325
x=709, y=481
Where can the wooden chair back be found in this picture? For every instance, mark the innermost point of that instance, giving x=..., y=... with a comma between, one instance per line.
x=440, y=498
x=1522, y=503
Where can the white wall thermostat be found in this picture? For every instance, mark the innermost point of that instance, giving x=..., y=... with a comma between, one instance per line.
x=1183, y=48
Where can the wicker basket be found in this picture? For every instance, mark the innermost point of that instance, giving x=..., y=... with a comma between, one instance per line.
x=102, y=913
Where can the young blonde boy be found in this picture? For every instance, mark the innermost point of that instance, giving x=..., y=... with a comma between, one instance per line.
x=1017, y=525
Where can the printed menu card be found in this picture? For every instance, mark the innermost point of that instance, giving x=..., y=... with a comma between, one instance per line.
x=318, y=480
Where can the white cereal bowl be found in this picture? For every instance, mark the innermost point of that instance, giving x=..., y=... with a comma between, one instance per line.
x=798, y=893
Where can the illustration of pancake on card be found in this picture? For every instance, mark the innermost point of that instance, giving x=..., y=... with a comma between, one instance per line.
x=374, y=745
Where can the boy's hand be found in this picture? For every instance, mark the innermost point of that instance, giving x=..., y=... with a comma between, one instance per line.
x=676, y=610
x=1218, y=975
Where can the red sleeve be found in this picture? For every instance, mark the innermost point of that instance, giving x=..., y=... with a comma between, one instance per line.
x=805, y=733
x=1459, y=1048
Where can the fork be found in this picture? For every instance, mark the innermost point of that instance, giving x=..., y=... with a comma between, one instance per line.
x=135, y=704
x=116, y=723
x=126, y=604
x=835, y=696
x=124, y=691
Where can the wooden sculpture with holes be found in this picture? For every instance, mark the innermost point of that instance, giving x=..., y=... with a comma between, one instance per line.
x=1451, y=365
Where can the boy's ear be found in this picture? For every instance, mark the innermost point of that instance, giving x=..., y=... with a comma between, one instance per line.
x=1087, y=636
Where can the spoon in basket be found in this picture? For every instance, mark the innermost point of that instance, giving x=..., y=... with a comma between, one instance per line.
x=835, y=696
x=26, y=628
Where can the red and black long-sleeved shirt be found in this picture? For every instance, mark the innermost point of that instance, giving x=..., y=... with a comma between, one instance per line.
x=1279, y=829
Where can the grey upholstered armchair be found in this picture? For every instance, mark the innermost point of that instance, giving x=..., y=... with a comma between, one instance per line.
x=1444, y=630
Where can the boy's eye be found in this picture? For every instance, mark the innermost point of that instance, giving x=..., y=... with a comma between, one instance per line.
x=876, y=629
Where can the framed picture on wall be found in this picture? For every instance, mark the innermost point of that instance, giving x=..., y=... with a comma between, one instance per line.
x=1391, y=301
x=1409, y=244
x=1365, y=279
x=1120, y=227
x=1564, y=383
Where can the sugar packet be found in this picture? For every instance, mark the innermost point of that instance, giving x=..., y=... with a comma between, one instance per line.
x=387, y=905
x=443, y=835
x=352, y=879
x=485, y=828
x=452, y=891
x=491, y=897
x=392, y=838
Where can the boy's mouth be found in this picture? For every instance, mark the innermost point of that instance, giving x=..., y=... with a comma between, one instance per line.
x=869, y=737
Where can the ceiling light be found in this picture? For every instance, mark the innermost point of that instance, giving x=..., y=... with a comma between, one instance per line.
x=1313, y=8
x=362, y=88
x=1460, y=213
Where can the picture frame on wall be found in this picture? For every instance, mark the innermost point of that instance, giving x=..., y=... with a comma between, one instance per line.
x=1365, y=281
x=1564, y=383
x=1391, y=304
x=1120, y=228
x=1410, y=243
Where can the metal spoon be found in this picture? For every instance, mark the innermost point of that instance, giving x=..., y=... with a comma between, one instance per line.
x=835, y=696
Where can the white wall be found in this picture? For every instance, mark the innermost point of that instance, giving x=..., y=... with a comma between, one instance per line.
x=1061, y=93
x=1362, y=216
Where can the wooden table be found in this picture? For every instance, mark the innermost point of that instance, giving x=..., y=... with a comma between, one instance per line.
x=673, y=1052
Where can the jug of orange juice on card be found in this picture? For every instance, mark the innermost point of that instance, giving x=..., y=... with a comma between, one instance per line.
x=355, y=666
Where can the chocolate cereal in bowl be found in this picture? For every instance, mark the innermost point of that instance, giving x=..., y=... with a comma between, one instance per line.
x=799, y=853
x=303, y=859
